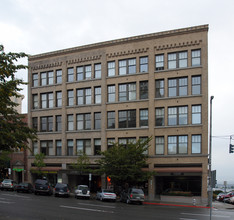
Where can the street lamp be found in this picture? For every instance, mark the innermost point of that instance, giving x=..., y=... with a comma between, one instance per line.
x=210, y=151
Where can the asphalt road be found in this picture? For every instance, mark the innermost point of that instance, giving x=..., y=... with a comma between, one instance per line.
x=21, y=206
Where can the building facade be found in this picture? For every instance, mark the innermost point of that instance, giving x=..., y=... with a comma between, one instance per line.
x=85, y=98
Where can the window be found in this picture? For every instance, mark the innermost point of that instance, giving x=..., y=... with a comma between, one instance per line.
x=35, y=80
x=47, y=100
x=34, y=123
x=97, y=120
x=43, y=79
x=127, y=66
x=159, y=117
x=84, y=72
x=83, y=146
x=97, y=95
x=143, y=64
x=159, y=85
x=50, y=78
x=35, y=147
x=196, y=144
x=159, y=62
x=178, y=87
x=126, y=141
x=70, y=74
x=196, y=114
x=142, y=141
x=83, y=121
x=111, y=93
x=196, y=57
x=196, y=85
x=70, y=124
x=97, y=146
x=111, y=68
x=70, y=98
x=159, y=145
x=127, y=119
x=58, y=148
x=59, y=99
x=110, y=142
x=178, y=115
x=84, y=96
x=35, y=101
x=47, y=148
x=178, y=144
x=88, y=72
x=127, y=92
x=177, y=60
x=143, y=117
x=97, y=71
x=58, y=123
x=58, y=76
x=47, y=124
x=144, y=90
x=111, y=119
x=69, y=147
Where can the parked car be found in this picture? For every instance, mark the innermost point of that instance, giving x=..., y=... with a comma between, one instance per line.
x=82, y=191
x=228, y=196
x=24, y=187
x=132, y=195
x=42, y=186
x=220, y=196
x=8, y=184
x=61, y=189
x=106, y=194
x=232, y=200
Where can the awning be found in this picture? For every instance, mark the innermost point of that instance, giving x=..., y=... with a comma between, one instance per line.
x=46, y=169
x=18, y=169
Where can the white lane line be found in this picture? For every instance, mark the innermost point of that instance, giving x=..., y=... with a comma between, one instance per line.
x=220, y=216
x=84, y=209
x=188, y=219
x=103, y=206
x=15, y=195
x=5, y=202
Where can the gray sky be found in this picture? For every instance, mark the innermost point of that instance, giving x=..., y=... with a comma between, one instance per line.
x=38, y=26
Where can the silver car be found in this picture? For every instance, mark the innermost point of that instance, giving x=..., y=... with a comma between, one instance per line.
x=106, y=194
x=82, y=191
x=8, y=184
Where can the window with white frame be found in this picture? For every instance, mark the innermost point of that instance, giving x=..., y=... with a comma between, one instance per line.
x=196, y=85
x=196, y=144
x=143, y=64
x=178, y=60
x=111, y=68
x=196, y=57
x=159, y=62
x=127, y=92
x=111, y=93
x=159, y=145
x=97, y=95
x=83, y=146
x=178, y=144
x=196, y=114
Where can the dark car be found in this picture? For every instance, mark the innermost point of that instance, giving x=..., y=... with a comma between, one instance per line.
x=132, y=195
x=61, y=189
x=42, y=186
x=24, y=187
x=8, y=184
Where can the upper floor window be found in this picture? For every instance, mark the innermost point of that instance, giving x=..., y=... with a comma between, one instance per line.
x=111, y=119
x=47, y=123
x=125, y=141
x=196, y=57
x=178, y=144
x=178, y=87
x=196, y=85
x=143, y=64
x=50, y=78
x=84, y=72
x=127, y=119
x=97, y=120
x=59, y=99
x=159, y=85
x=97, y=146
x=83, y=146
x=84, y=121
x=97, y=71
x=58, y=148
x=159, y=62
x=159, y=145
x=177, y=60
x=58, y=123
x=70, y=97
x=69, y=147
x=196, y=114
x=111, y=93
x=70, y=74
x=35, y=101
x=47, y=147
x=159, y=116
x=58, y=76
x=47, y=100
x=178, y=115
x=111, y=68
x=70, y=123
x=35, y=80
x=144, y=90
x=143, y=117
x=127, y=66
x=127, y=92
x=43, y=79
x=97, y=95
x=84, y=96
x=196, y=144
x=34, y=123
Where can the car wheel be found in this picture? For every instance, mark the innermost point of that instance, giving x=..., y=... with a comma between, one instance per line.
x=101, y=199
x=128, y=201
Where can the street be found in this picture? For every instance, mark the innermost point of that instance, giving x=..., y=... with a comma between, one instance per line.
x=23, y=206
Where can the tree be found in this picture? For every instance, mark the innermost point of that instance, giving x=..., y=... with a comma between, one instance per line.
x=39, y=163
x=124, y=164
x=82, y=164
x=14, y=132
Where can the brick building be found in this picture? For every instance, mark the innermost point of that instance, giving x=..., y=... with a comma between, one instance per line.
x=153, y=85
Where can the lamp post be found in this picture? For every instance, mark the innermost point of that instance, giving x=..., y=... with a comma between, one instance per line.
x=210, y=151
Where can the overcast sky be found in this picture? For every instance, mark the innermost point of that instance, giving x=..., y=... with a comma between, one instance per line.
x=39, y=26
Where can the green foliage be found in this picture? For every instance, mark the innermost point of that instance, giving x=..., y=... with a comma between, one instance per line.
x=4, y=159
x=82, y=164
x=14, y=132
x=39, y=162
x=124, y=164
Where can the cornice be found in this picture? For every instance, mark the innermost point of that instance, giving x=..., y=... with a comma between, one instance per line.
x=129, y=52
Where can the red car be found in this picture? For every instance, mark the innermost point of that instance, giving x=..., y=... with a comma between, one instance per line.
x=226, y=196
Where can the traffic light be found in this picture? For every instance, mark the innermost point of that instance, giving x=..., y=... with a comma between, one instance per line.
x=231, y=149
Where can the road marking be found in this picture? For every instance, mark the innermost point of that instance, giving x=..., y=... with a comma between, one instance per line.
x=220, y=216
x=5, y=202
x=103, y=206
x=84, y=209
x=15, y=195
x=188, y=219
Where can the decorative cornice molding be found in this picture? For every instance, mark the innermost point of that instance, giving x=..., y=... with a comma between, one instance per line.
x=83, y=59
x=47, y=66
x=129, y=52
x=178, y=45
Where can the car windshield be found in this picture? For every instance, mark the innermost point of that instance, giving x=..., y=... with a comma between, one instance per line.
x=61, y=186
x=6, y=181
x=137, y=191
x=42, y=182
x=82, y=187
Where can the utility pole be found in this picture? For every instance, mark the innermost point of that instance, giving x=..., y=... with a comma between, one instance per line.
x=210, y=151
